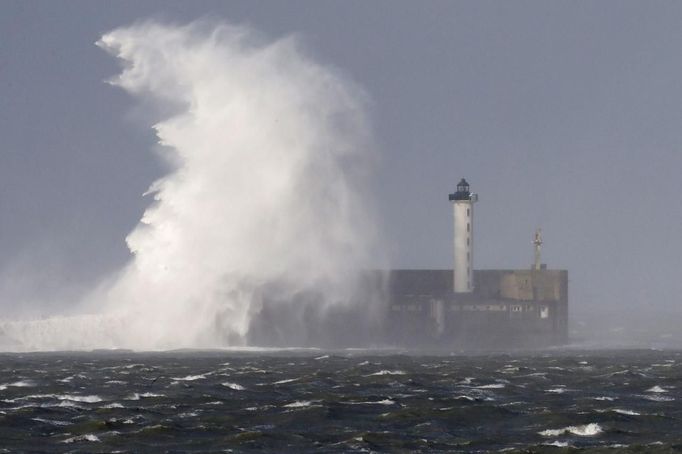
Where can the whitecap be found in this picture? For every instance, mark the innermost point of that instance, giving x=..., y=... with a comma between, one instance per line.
x=86, y=437
x=387, y=372
x=588, y=430
x=264, y=407
x=136, y=396
x=18, y=384
x=64, y=403
x=191, y=377
x=113, y=405
x=373, y=402
x=625, y=412
x=321, y=357
x=148, y=394
x=86, y=399
x=556, y=390
x=22, y=384
x=54, y=422
x=605, y=398
x=299, y=404
x=234, y=386
x=491, y=386
x=656, y=389
x=288, y=380
x=659, y=398
x=558, y=444
x=30, y=397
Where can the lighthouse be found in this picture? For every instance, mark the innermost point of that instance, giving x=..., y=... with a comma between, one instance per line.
x=463, y=207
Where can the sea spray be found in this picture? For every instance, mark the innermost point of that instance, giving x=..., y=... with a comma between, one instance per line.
x=267, y=193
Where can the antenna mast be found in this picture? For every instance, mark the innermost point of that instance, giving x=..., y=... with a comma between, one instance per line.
x=537, y=242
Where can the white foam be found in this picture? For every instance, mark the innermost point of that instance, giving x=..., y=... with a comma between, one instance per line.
x=373, y=402
x=557, y=443
x=625, y=412
x=18, y=384
x=659, y=398
x=605, y=398
x=86, y=437
x=31, y=397
x=556, y=390
x=299, y=404
x=137, y=396
x=656, y=389
x=191, y=377
x=588, y=430
x=387, y=372
x=52, y=421
x=383, y=402
x=491, y=386
x=234, y=386
x=64, y=403
x=264, y=407
x=288, y=380
x=113, y=405
x=76, y=398
x=252, y=118
x=22, y=384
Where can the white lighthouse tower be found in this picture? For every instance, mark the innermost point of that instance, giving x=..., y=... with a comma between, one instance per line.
x=463, y=203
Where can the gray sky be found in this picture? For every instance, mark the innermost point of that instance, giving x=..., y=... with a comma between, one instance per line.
x=562, y=115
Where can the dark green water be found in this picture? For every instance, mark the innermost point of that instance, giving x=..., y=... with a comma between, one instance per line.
x=610, y=401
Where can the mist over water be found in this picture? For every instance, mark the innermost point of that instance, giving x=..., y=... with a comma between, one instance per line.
x=266, y=198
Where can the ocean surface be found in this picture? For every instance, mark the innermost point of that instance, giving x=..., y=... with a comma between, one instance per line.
x=348, y=401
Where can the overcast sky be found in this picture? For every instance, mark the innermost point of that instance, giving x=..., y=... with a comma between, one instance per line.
x=562, y=115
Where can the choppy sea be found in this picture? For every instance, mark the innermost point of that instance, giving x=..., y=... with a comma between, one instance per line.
x=349, y=401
